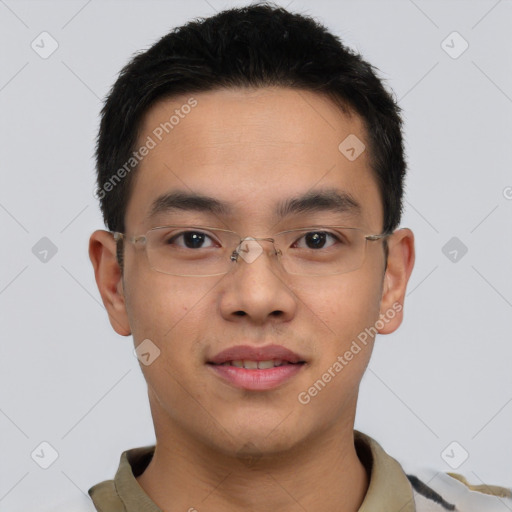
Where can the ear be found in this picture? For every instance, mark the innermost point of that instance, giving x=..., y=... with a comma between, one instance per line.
x=102, y=252
x=401, y=257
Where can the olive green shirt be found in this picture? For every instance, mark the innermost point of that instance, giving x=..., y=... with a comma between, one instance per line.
x=389, y=489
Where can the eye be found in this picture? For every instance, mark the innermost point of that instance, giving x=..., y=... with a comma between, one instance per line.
x=316, y=240
x=191, y=240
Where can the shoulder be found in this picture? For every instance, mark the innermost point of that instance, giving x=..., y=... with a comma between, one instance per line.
x=416, y=488
x=440, y=491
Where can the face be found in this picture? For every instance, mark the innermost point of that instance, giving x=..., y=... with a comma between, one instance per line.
x=252, y=151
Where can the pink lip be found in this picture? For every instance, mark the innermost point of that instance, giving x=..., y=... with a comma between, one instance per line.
x=256, y=379
x=256, y=354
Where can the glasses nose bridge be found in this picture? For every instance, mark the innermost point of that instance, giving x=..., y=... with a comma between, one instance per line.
x=250, y=254
x=263, y=238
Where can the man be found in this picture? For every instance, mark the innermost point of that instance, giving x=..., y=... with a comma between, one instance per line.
x=250, y=173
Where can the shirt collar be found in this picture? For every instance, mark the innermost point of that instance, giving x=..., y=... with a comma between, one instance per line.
x=389, y=489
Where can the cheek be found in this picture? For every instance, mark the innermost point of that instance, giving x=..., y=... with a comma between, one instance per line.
x=172, y=314
x=168, y=312
x=162, y=307
x=342, y=306
x=343, y=317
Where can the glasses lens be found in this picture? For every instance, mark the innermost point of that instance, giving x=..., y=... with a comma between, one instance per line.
x=322, y=251
x=190, y=251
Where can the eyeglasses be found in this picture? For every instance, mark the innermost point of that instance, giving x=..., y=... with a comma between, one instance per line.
x=203, y=251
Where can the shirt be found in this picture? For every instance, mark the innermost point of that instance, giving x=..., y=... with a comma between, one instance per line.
x=390, y=488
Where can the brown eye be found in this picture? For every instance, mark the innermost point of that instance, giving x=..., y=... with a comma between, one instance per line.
x=191, y=240
x=316, y=240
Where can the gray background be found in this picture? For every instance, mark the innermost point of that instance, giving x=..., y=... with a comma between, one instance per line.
x=69, y=380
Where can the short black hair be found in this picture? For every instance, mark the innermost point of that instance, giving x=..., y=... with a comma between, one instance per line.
x=260, y=45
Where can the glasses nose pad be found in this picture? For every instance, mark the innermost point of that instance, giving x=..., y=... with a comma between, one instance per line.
x=250, y=249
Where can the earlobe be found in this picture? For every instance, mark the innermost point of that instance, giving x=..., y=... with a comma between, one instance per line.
x=401, y=258
x=102, y=253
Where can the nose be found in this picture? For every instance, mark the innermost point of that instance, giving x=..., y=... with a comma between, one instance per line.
x=255, y=289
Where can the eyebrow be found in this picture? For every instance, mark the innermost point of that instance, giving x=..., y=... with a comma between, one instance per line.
x=186, y=201
x=320, y=201
x=312, y=201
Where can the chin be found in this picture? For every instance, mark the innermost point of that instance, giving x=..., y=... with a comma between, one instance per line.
x=262, y=438
x=248, y=449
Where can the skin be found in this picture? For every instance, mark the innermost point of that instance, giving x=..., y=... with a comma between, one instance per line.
x=219, y=447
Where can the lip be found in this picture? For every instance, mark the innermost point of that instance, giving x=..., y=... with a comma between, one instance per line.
x=256, y=379
x=256, y=354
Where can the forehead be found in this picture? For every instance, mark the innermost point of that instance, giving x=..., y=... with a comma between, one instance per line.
x=252, y=150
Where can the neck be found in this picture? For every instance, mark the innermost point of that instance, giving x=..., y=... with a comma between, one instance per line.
x=322, y=473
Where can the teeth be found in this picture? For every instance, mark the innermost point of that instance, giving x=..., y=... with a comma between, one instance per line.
x=265, y=364
x=253, y=365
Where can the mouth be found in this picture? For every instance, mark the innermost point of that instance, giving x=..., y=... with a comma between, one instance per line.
x=256, y=365
x=256, y=368
x=277, y=354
